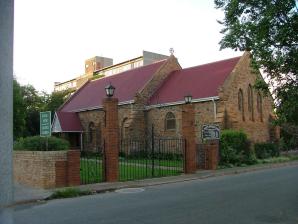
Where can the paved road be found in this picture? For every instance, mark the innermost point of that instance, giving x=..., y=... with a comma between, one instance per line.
x=268, y=196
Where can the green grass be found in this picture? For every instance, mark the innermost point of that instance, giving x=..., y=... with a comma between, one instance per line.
x=69, y=193
x=157, y=162
x=130, y=169
x=280, y=159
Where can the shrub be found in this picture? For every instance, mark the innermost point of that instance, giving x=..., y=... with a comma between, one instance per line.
x=37, y=143
x=266, y=150
x=235, y=148
x=69, y=193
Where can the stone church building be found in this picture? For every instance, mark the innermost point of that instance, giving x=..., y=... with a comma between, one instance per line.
x=222, y=93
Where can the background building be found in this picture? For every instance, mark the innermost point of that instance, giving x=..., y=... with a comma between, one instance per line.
x=98, y=67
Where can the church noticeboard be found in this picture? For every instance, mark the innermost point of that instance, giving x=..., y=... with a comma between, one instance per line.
x=210, y=132
x=45, y=123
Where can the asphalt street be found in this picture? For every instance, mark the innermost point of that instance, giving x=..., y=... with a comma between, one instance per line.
x=267, y=196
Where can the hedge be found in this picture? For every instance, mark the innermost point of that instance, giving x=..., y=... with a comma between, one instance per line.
x=235, y=148
x=37, y=143
x=266, y=150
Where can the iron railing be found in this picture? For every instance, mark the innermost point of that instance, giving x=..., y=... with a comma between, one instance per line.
x=156, y=157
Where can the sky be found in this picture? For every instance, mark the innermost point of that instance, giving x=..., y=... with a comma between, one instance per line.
x=53, y=38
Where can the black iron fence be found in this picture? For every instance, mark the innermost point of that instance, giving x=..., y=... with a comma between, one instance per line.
x=92, y=157
x=154, y=157
x=138, y=158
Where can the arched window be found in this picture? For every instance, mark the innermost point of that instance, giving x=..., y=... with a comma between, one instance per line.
x=241, y=103
x=260, y=106
x=250, y=102
x=91, y=131
x=170, y=121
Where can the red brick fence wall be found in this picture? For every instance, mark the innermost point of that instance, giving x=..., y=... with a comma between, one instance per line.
x=47, y=169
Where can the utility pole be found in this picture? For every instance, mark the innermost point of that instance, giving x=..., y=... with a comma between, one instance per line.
x=6, y=108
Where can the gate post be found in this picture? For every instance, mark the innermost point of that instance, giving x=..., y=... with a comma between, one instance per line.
x=111, y=139
x=188, y=132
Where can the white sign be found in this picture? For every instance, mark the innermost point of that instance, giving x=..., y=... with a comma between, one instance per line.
x=210, y=131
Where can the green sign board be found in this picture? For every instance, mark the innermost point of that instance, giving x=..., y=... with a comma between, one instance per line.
x=45, y=123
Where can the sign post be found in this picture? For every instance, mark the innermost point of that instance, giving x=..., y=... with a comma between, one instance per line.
x=45, y=125
x=210, y=132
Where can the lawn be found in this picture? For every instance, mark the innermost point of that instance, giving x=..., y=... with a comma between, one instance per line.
x=130, y=169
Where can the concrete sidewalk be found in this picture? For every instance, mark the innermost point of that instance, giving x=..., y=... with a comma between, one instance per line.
x=25, y=194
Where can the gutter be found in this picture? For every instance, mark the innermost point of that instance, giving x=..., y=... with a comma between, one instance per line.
x=212, y=98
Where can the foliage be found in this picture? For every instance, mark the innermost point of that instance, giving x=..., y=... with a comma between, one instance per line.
x=19, y=113
x=55, y=100
x=288, y=142
x=266, y=150
x=269, y=30
x=37, y=143
x=69, y=193
x=234, y=148
x=27, y=103
x=34, y=103
x=97, y=76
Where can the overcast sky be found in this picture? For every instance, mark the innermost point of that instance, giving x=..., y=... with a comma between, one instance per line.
x=54, y=37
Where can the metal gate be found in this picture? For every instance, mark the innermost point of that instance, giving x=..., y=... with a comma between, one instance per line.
x=92, y=157
x=152, y=157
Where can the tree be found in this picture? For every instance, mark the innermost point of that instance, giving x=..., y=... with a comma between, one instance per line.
x=55, y=100
x=268, y=29
x=28, y=103
x=34, y=103
x=19, y=112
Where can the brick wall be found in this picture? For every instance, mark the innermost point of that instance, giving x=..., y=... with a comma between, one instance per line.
x=47, y=169
x=111, y=136
x=188, y=133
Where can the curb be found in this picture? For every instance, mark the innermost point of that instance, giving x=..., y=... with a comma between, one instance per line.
x=167, y=180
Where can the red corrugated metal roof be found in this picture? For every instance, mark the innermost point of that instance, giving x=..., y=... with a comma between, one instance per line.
x=69, y=122
x=201, y=81
x=127, y=84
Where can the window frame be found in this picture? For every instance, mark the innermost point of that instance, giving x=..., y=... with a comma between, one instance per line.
x=170, y=117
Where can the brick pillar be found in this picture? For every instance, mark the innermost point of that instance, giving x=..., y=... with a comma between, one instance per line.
x=212, y=150
x=111, y=139
x=188, y=132
x=73, y=168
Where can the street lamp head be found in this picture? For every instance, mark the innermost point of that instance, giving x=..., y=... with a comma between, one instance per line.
x=188, y=98
x=110, y=90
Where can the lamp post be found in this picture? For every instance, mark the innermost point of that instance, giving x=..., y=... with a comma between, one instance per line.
x=110, y=90
x=188, y=98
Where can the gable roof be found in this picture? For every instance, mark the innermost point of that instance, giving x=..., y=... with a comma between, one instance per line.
x=200, y=81
x=127, y=84
x=66, y=122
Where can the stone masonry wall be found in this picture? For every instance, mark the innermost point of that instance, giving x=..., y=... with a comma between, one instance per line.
x=95, y=116
x=98, y=116
x=228, y=113
x=204, y=114
x=136, y=122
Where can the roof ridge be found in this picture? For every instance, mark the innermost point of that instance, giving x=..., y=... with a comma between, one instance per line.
x=209, y=63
